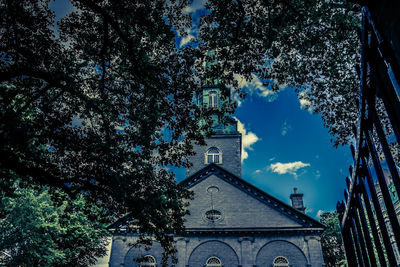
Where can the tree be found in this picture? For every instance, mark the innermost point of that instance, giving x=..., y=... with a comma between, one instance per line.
x=100, y=106
x=103, y=103
x=331, y=240
x=310, y=45
x=38, y=231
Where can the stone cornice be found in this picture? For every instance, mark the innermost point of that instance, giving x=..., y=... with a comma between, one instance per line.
x=253, y=231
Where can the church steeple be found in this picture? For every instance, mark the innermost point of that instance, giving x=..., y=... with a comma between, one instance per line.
x=214, y=96
x=224, y=146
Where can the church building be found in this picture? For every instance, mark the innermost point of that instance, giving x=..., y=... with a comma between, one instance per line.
x=231, y=223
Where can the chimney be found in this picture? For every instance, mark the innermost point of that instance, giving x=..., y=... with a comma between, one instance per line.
x=297, y=200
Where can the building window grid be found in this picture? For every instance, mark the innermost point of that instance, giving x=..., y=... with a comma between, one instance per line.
x=213, y=155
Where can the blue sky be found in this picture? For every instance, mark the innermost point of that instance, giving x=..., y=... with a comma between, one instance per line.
x=293, y=150
x=286, y=145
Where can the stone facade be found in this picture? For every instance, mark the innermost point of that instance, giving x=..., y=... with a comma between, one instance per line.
x=245, y=251
x=252, y=229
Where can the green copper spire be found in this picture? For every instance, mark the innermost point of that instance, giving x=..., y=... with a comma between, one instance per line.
x=214, y=96
x=211, y=79
x=211, y=98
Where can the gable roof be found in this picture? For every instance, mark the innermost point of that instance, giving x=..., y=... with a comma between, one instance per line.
x=212, y=169
x=274, y=203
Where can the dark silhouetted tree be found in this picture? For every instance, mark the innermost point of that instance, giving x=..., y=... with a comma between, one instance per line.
x=102, y=102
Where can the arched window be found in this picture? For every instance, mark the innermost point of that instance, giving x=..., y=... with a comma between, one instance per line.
x=213, y=262
x=213, y=155
x=148, y=261
x=212, y=99
x=281, y=262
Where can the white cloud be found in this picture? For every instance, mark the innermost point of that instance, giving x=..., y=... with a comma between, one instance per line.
x=305, y=103
x=236, y=98
x=191, y=32
x=317, y=174
x=319, y=213
x=188, y=37
x=271, y=159
x=256, y=86
x=248, y=139
x=257, y=171
x=194, y=6
x=285, y=128
x=290, y=167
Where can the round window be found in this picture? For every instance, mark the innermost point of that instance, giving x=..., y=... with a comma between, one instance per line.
x=213, y=215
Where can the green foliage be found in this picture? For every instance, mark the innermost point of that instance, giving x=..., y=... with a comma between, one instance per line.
x=311, y=45
x=36, y=230
x=101, y=106
x=331, y=240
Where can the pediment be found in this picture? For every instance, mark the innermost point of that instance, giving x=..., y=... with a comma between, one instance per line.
x=240, y=204
x=243, y=207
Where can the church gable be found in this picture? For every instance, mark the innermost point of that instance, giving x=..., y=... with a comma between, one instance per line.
x=218, y=204
x=222, y=200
